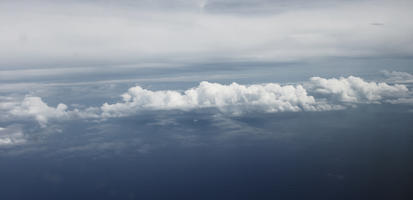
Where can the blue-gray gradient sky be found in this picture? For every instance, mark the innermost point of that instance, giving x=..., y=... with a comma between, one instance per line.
x=199, y=99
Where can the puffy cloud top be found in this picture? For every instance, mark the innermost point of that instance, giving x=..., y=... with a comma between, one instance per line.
x=356, y=90
x=318, y=94
x=234, y=98
x=35, y=107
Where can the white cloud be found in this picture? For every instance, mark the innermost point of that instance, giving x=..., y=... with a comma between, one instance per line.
x=318, y=94
x=36, y=108
x=271, y=97
x=11, y=135
x=356, y=90
x=232, y=98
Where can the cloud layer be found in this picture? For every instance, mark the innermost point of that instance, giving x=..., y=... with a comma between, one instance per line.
x=86, y=33
x=317, y=94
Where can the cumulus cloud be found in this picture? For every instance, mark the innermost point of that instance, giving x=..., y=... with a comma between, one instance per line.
x=233, y=98
x=11, y=135
x=317, y=94
x=356, y=90
x=36, y=108
x=271, y=97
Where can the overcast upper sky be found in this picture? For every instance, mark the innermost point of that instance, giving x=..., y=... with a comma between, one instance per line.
x=108, y=33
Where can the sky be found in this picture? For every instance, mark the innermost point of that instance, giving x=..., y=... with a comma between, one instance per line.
x=198, y=99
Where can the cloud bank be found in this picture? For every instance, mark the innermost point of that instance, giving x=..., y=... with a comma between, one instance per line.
x=317, y=94
x=234, y=98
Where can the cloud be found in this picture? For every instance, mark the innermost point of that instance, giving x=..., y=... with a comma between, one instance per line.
x=35, y=107
x=271, y=97
x=232, y=98
x=408, y=100
x=398, y=77
x=7, y=103
x=91, y=33
x=39, y=110
x=317, y=94
x=11, y=135
x=356, y=90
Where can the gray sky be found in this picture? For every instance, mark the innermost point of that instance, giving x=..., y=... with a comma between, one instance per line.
x=93, y=33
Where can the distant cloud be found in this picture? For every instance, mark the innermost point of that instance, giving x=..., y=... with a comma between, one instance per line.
x=35, y=107
x=7, y=103
x=11, y=135
x=356, y=90
x=232, y=98
x=318, y=94
x=408, y=100
x=398, y=77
